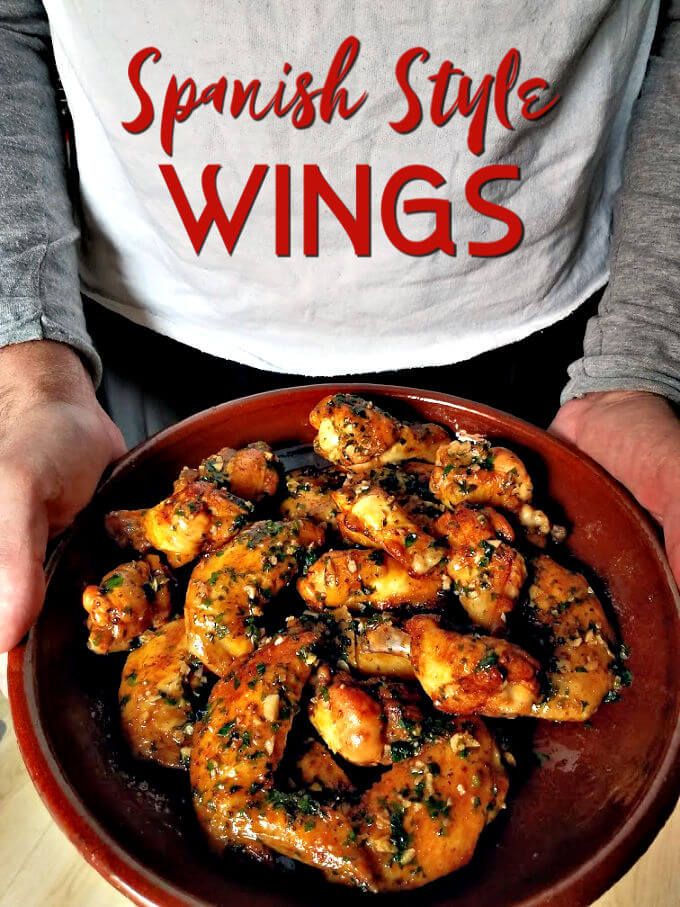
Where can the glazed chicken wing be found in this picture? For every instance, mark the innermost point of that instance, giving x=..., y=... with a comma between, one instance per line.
x=309, y=495
x=236, y=751
x=198, y=516
x=472, y=675
x=408, y=483
x=581, y=670
x=487, y=573
x=251, y=473
x=470, y=469
x=377, y=516
x=320, y=772
x=356, y=578
x=156, y=715
x=128, y=600
x=423, y=818
x=356, y=435
x=229, y=588
x=363, y=721
x=376, y=647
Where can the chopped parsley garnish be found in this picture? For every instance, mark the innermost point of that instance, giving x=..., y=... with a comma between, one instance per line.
x=113, y=582
x=436, y=807
x=408, y=725
x=625, y=677
x=399, y=837
x=295, y=803
x=403, y=749
x=489, y=660
x=489, y=552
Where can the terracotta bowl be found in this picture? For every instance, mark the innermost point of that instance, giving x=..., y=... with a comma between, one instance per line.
x=578, y=818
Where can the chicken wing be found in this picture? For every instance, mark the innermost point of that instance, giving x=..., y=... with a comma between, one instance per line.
x=364, y=721
x=376, y=647
x=376, y=515
x=581, y=669
x=309, y=495
x=156, y=713
x=229, y=588
x=470, y=469
x=320, y=772
x=128, y=600
x=198, y=516
x=487, y=573
x=423, y=818
x=408, y=483
x=357, y=435
x=470, y=674
x=251, y=473
x=357, y=578
x=237, y=748
x=419, y=512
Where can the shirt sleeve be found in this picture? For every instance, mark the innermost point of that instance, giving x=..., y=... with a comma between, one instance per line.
x=633, y=343
x=39, y=284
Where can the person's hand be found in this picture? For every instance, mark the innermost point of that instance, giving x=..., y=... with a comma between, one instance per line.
x=55, y=442
x=635, y=436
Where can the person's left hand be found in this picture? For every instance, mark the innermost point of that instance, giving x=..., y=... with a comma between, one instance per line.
x=635, y=436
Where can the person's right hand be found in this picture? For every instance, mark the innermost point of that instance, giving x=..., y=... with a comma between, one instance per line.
x=55, y=442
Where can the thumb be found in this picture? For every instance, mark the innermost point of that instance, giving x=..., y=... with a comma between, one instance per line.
x=565, y=423
x=23, y=539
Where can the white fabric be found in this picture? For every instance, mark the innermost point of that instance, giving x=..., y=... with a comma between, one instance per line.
x=338, y=313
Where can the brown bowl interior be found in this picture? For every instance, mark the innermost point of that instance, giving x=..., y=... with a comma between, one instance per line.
x=575, y=822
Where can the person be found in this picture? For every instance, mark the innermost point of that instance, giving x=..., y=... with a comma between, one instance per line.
x=188, y=308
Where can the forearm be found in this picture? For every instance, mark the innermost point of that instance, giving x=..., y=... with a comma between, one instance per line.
x=39, y=287
x=634, y=342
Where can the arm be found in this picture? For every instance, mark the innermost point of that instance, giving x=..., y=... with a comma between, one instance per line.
x=616, y=405
x=39, y=288
x=55, y=440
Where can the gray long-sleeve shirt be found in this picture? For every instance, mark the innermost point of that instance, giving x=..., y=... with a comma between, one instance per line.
x=39, y=288
x=633, y=343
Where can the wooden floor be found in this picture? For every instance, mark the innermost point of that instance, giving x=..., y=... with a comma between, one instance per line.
x=39, y=867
